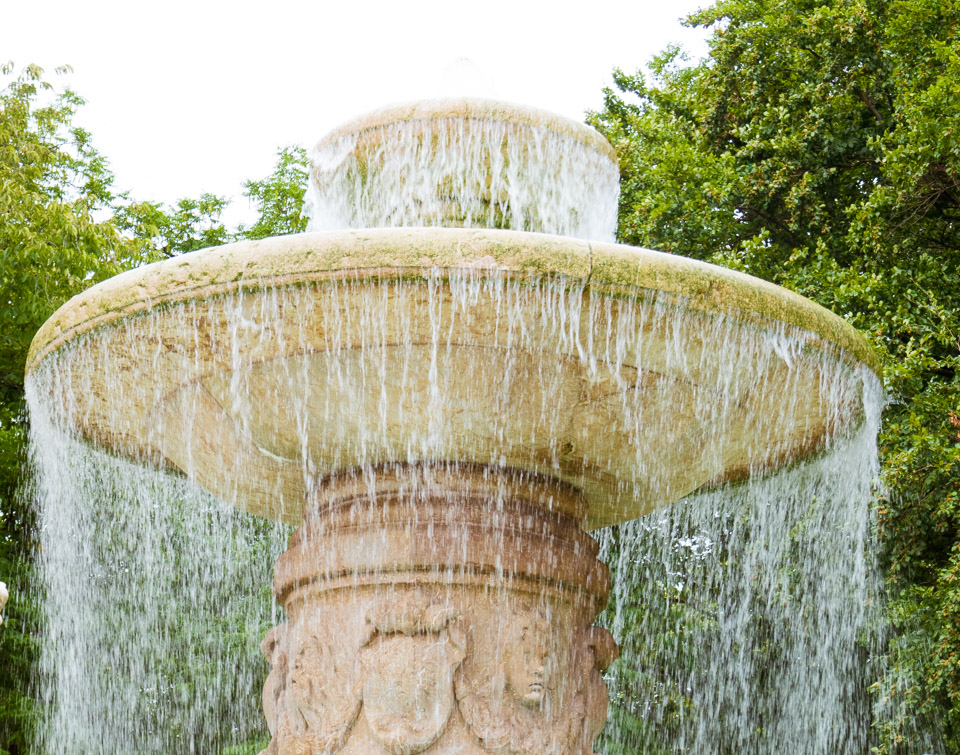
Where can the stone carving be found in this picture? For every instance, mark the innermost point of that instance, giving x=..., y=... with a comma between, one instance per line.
x=399, y=682
x=439, y=621
x=399, y=670
x=408, y=665
x=530, y=666
x=538, y=696
x=274, y=649
x=317, y=700
x=595, y=651
x=543, y=697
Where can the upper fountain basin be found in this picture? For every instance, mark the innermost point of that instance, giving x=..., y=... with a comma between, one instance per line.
x=257, y=368
x=465, y=163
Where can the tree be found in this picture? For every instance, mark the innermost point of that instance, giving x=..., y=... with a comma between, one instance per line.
x=279, y=198
x=817, y=146
x=64, y=230
x=193, y=224
x=189, y=225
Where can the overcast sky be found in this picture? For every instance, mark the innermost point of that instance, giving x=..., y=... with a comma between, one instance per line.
x=187, y=96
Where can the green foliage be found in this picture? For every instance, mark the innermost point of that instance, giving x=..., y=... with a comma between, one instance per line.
x=65, y=229
x=19, y=645
x=279, y=197
x=193, y=224
x=189, y=225
x=818, y=146
x=51, y=247
x=637, y=678
x=252, y=747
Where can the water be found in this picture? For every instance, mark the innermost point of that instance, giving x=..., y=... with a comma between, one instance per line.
x=156, y=595
x=464, y=172
x=746, y=612
x=748, y=617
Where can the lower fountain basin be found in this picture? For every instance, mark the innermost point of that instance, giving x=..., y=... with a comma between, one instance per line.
x=631, y=375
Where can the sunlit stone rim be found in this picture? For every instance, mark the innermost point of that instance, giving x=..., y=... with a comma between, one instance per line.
x=395, y=253
x=472, y=109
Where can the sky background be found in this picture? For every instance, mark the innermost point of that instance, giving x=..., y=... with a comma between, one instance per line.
x=191, y=96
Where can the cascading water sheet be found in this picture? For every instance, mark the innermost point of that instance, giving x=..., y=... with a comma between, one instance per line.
x=743, y=609
x=749, y=617
x=155, y=595
x=471, y=173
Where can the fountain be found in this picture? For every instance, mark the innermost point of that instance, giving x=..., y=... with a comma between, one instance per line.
x=443, y=397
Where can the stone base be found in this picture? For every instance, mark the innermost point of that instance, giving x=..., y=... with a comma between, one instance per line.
x=439, y=610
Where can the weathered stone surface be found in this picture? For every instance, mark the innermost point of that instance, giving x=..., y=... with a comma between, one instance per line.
x=479, y=164
x=457, y=648
x=180, y=406
x=388, y=254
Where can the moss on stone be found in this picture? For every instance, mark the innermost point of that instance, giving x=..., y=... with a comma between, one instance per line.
x=394, y=253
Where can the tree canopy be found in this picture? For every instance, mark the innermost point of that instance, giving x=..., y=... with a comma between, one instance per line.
x=279, y=198
x=53, y=186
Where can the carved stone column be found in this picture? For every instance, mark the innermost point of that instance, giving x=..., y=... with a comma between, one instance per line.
x=440, y=610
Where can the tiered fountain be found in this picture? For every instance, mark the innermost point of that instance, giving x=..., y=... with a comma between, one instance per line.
x=443, y=396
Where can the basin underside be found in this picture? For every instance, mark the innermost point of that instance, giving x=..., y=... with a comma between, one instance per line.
x=634, y=377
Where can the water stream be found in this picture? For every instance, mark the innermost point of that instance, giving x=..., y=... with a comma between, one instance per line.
x=468, y=172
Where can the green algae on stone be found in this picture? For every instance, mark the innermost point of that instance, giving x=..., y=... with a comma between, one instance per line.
x=389, y=254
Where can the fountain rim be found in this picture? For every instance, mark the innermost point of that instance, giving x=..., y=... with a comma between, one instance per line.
x=397, y=253
x=470, y=108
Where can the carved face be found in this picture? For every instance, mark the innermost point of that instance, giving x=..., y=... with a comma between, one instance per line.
x=322, y=695
x=408, y=692
x=306, y=670
x=529, y=666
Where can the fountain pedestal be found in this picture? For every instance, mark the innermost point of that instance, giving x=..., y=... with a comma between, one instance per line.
x=436, y=609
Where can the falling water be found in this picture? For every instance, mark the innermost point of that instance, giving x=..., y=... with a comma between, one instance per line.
x=465, y=172
x=155, y=593
x=745, y=610
x=741, y=610
x=747, y=616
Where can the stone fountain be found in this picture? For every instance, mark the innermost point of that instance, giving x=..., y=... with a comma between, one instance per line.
x=444, y=396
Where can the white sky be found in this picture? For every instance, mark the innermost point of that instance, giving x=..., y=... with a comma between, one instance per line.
x=187, y=96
